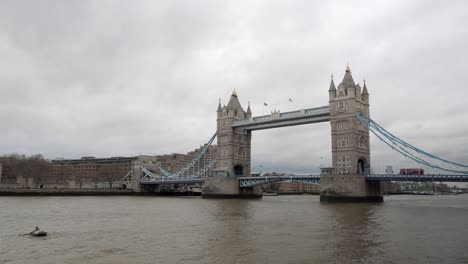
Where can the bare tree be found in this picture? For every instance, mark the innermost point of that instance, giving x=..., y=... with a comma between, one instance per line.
x=39, y=169
x=106, y=174
x=34, y=167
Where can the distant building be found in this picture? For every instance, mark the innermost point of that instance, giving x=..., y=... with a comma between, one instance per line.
x=88, y=171
x=91, y=172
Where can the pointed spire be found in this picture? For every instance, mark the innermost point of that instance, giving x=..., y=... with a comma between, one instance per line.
x=364, y=89
x=248, y=109
x=234, y=103
x=332, y=85
x=219, y=106
x=348, y=79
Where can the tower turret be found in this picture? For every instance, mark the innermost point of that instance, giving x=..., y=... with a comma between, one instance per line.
x=332, y=89
x=358, y=91
x=249, y=112
x=365, y=93
x=220, y=109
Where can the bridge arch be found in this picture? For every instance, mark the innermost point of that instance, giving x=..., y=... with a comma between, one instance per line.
x=362, y=166
x=238, y=170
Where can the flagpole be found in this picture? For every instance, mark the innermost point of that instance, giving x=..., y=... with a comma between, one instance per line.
x=290, y=101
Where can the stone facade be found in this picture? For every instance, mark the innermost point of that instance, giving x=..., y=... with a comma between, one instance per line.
x=350, y=146
x=350, y=139
x=233, y=144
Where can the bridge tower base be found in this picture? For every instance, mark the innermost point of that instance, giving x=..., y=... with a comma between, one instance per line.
x=228, y=187
x=349, y=188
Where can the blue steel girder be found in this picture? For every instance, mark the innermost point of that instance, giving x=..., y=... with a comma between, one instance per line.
x=172, y=181
x=196, y=158
x=245, y=182
x=149, y=177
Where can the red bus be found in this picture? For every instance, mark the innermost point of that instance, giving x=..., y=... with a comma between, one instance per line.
x=417, y=171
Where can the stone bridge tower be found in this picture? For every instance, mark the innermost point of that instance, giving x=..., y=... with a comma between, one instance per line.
x=233, y=160
x=233, y=144
x=350, y=145
x=350, y=139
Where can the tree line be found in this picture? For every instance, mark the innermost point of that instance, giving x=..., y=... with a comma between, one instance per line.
x=35, y=170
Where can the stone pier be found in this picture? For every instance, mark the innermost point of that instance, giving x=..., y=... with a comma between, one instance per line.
x=349, y=188
x=228, y=187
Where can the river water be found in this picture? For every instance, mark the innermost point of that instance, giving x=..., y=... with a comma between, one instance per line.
x=275, y=229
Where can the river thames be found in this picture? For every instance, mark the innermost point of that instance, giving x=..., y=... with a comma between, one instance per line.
x=275, y=229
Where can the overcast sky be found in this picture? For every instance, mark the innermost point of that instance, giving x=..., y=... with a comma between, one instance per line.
x=118, y=78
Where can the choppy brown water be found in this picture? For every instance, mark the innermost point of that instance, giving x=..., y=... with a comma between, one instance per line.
x=280, y=229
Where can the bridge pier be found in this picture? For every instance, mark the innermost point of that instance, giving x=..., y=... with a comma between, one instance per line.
x=349, y=188
x=136, y=177
x=228, y=187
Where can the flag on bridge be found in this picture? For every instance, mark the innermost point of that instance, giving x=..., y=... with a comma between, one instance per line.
x=265, y=104
x=290, y=100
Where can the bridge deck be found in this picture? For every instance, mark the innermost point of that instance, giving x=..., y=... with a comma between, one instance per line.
x=315, y=179
x=292, y=118
x=173, y=181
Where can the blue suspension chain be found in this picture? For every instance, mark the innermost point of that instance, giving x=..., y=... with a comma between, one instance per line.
x=392, y=138
x=415, y=148
x=370, y=125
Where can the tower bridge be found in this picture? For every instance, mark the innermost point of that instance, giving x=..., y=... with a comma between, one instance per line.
x=349, y=117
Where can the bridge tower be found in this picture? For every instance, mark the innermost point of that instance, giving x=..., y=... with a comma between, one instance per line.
x=233, y=144
x=350, y=145
x=233, y=160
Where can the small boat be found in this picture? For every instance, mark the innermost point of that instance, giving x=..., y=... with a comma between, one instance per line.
x=38, y=233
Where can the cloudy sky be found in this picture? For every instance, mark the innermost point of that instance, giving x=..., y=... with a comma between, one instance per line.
x=118, y=78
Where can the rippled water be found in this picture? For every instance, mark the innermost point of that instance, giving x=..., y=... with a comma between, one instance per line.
x=279, y=229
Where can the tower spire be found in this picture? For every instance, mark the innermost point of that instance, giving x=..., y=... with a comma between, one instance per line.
x=348, y=69
x=332, y=85
x=348, y=78
x=219, y=106
x=364, y=88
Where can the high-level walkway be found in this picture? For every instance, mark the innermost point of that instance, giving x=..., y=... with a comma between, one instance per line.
x=292, y=118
